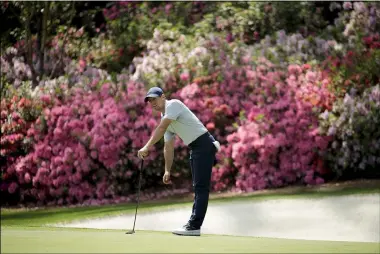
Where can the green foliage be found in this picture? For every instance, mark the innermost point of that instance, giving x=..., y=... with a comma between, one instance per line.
x=130, y=26
x=250, y=21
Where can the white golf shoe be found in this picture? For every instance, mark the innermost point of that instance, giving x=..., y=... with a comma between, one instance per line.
x=187, y=230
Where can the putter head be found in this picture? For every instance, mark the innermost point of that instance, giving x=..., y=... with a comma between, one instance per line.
x=130, y=232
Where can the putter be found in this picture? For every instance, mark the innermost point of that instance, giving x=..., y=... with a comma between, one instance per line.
x=138, y=199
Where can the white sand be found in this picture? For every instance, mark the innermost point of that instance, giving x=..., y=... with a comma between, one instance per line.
x=344, y=218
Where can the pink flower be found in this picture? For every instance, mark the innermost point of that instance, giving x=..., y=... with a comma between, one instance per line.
x=82, y=64
x=12, y=187
x=311, y=76
x=321, y=143
x=57, y=132
x=306, y=66
x=190, y=91
x=168, y=8
x=27, y=178
x=99, y=141
x=210, y=126
x=294, y=69
x=245, y=59
x=319, y=180
x=347, y=5
x=15, y=116
x=45, y=98
x=4, y=114
x=250, y=74
x=185, y=76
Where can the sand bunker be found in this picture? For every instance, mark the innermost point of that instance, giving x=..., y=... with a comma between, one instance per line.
x=343, y=218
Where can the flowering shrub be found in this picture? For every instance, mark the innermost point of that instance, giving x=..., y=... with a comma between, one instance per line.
x=131, y=24
x=80, y=74
x=262, y=101
x=353, y=23
x=58, y=55
x=174, y=56
x=104, y=54
x=354, y=125
x=277, y=141
x=218, y=101
x=247, y=22
x=356, y=19
x=14, y=68
x=283, y=49
x=85, y=146
x=173, y=59
x=166, y=51
x=17, y=115
x=357, y=69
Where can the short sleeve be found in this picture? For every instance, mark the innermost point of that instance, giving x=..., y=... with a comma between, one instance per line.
x=168, y=136
x=173, y=110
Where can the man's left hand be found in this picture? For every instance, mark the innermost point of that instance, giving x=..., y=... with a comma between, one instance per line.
x=143, y=152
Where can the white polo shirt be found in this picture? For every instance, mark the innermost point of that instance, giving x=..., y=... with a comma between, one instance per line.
x=186, y=125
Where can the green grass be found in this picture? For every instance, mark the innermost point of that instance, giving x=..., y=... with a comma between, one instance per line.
x=42, y=216
x=42, y=240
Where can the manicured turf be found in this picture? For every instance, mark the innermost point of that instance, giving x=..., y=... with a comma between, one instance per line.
x=45, y=240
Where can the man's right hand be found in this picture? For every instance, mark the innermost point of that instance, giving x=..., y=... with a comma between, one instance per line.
x=166, y=177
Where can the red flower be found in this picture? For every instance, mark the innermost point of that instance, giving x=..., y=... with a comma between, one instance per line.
x=368, y=40
x=350, y=53
x=21, y=103
x=306, y=66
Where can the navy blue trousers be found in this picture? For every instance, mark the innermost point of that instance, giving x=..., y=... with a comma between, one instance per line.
x=202, y=159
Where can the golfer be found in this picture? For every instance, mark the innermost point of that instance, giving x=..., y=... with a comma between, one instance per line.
x=178, y=119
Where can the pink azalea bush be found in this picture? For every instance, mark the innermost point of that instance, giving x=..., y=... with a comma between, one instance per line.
x=277, y=140
x=266, y=120
x=85, y=147
x=17, y=115
x=84, y=143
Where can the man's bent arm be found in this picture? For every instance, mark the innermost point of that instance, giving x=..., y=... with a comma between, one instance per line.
x=169, y=154
x=158, y=133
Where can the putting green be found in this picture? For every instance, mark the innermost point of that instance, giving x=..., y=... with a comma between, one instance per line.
x=57, y=240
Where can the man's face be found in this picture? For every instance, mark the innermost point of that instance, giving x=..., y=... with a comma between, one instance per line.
x=157, y=103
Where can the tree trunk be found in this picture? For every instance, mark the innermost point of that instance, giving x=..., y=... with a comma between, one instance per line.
x=29, y=44
x=43, y=35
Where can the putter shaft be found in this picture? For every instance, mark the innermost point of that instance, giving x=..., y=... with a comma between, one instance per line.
x=138, y=199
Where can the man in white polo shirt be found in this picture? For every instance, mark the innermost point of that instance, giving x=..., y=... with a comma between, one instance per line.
x=178, y=119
